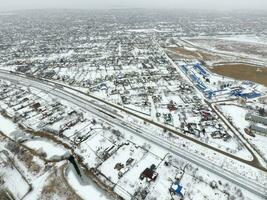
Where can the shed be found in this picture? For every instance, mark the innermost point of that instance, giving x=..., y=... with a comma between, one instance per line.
x=177, y=189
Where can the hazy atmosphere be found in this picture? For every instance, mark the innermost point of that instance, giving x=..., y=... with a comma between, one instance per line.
x=133, y=99
x=158, y=4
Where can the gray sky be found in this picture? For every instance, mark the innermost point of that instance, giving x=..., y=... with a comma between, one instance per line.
x=92, y=4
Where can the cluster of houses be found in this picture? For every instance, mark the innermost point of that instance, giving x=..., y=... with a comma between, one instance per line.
x=189, y=114
x=31, y=110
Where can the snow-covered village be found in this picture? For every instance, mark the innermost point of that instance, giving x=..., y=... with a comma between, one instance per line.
x=133, y=104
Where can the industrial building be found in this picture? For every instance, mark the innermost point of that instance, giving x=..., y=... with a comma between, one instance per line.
x=256, y=118
x=258, y=129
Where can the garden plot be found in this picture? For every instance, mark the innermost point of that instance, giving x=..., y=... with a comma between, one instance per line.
x=166, y=99
x=121, y=161
x=160, y=189
x=197, y=189
x=33, y=122
x=50, y=149
x=74, y=129
x=85, y=130
x=130, y=182
x=220, y=186
x=65, y=123
x=13, y=179
x=232, y=146
x=90, y=158
x=99, y=144
x=7, y=126
x=115, y=98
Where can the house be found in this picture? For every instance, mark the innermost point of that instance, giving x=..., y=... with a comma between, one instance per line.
x=36, y=105
x=172, y=106
x=149, y=174
x=177, y=189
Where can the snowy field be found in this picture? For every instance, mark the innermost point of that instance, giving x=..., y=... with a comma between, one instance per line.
x=51, y=149
x=238, y=116
x=7, y=126
x=12, y=177
x=85, y=187
x=199, y=190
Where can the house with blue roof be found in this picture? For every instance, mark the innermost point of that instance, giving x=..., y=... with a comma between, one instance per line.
x=177, y=189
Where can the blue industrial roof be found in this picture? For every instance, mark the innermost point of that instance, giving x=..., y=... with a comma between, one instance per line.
x=202, y=71
x=246, y=95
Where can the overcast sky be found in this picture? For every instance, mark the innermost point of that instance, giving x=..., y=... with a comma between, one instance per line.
x=98, y=4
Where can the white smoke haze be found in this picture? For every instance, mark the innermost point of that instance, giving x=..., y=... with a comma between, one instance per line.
x=149, y=4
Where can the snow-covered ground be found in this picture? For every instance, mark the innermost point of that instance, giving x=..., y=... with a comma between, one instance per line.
x=85, y=187
x=124, y=154
x=200, y=190
x=233, y=48
x=13, y=180
x=7, y=126
x=51, y=149
x=159, y=190
x=237, y=114
x=130, y=182
x=246, y=38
